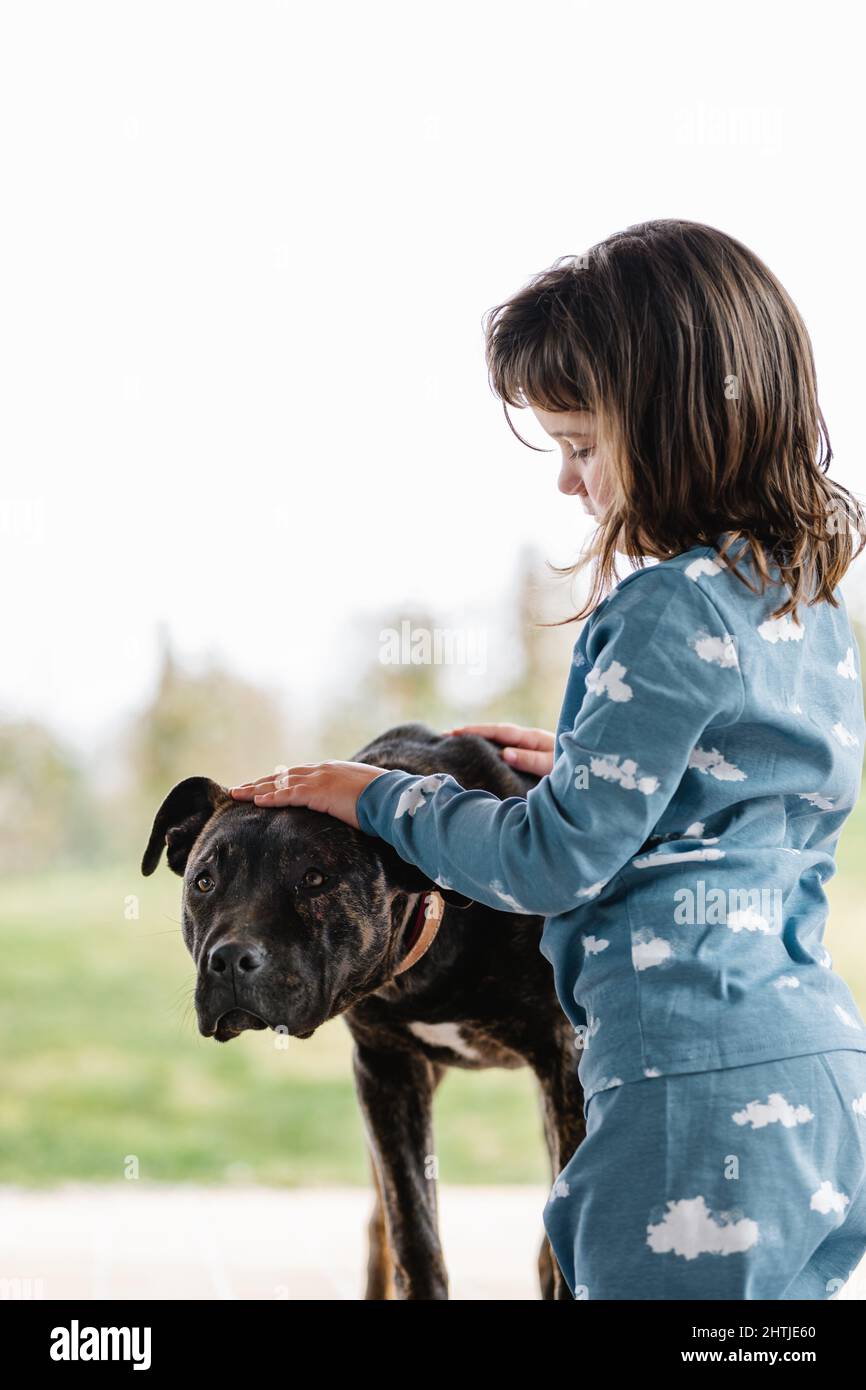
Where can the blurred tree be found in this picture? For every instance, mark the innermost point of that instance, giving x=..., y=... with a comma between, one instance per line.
x=532, y=664
x=534, y=695
x=385, y=691
x=47, y=815
x=206, y=723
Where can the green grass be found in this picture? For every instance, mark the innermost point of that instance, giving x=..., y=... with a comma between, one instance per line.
x=102, y=1060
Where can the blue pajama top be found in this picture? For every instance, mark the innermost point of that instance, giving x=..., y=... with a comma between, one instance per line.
x=706, y=758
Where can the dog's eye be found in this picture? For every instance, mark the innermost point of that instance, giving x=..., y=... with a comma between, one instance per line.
x=313, y=878
x=204, y=883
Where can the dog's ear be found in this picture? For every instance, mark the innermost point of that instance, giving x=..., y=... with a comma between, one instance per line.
x=409, y=877
x=179, y=820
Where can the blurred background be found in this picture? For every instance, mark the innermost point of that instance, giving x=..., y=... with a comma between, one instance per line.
x=246, y=435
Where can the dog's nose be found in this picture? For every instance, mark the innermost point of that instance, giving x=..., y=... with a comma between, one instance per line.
x=242, y=956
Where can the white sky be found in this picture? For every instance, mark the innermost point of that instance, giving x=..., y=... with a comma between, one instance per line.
x=246, y=251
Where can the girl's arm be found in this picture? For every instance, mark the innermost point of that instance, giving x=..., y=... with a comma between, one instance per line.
x=663, y=668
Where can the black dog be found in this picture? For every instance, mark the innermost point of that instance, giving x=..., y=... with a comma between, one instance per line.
x=293, y=917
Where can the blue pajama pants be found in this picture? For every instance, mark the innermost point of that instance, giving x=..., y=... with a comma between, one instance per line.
x=741, y=1183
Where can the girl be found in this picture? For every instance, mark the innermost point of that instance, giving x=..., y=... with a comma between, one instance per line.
x=708, y=752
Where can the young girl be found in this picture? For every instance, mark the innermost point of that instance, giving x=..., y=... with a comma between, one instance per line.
x=708, y=752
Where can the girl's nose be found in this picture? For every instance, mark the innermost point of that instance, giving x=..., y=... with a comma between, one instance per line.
x=570, y=483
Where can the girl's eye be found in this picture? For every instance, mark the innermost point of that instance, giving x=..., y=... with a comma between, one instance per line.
x=581, y=453
x=312, y=879
x=204, y=883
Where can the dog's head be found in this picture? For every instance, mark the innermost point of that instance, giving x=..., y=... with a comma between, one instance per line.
x=289, y=915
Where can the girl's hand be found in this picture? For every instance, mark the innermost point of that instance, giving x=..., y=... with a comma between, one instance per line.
x=528, y=750
x=331, y=787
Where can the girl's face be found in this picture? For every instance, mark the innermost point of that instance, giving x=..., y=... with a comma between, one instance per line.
x=583, y=466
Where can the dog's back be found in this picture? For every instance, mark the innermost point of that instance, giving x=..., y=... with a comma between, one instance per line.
x=474, y=761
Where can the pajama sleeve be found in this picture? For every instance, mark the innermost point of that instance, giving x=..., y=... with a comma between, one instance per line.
x=661, y=669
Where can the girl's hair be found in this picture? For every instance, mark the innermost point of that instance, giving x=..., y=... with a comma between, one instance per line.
x=700, y=371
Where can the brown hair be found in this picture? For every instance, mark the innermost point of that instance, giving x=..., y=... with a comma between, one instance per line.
x=700, y=371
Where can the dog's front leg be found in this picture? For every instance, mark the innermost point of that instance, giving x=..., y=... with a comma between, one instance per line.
x=395, y=1091
x=564, y=1131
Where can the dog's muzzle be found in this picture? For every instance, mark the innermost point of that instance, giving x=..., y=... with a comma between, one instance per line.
x=231, y=971
x=234, y=1022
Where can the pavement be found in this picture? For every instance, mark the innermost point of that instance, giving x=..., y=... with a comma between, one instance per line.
x=135, y=1240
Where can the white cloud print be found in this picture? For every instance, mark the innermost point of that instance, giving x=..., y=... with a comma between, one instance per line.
x=499, y=890
x=610, y=683
x=627, y=774
x=703, y=565
x=747, y=919
x=720, y=651
x=413, y=796
x=711, y=763
x=676, y=856
x=592, y=891
x=649, y=951
x=690, y=1229
x=784, y=629
x=844, y=736
x=775, y=1110
x=827, y=1200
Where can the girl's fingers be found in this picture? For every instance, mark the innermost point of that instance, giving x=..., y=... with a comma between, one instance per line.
x=268, y=791
x=277, y=796
x=501, y=733
x=515, y=734
x=246, y=791
x=526, y=760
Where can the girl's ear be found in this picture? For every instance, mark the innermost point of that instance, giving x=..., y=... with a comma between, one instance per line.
x=179, y=821
x=412, y=879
